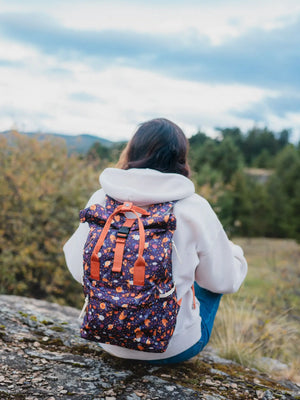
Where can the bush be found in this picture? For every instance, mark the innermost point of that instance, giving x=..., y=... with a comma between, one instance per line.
x=42, y=189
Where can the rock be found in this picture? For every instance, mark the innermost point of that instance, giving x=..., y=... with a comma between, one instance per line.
x=43, y=357
x=274, y=365
x=268, y=395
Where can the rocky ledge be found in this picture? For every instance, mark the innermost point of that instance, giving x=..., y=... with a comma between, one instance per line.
x=43, y=357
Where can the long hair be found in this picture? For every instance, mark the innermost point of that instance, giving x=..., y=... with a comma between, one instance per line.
x=157, y=144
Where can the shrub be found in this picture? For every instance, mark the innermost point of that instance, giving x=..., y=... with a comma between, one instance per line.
x=42, y=189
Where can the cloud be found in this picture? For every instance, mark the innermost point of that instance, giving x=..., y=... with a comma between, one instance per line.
x=259, y=57
x=216, y=19
x=84, y=97
x=9, y=63
x=47, y=35
x=284, y=105
x=102, y=67
x=279, y=105
x=112, y=102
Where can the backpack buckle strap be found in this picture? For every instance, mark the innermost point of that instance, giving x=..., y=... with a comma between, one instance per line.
x=122, y=235
x=123, y=232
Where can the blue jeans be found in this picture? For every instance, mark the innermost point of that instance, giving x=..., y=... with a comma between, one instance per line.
x=209, y=304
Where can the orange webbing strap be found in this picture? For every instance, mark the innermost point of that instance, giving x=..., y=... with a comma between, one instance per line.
x=139, y=266
x=194, y=297
x=95, y=270
x=120, y=245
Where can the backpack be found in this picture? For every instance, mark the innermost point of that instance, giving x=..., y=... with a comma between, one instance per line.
x=128, y=284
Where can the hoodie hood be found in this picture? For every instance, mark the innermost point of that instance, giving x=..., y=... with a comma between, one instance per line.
x=145, y=186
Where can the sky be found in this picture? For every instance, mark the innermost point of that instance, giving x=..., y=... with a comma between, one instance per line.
x=101, y=67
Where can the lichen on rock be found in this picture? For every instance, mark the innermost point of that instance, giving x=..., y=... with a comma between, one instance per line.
x=43, y=357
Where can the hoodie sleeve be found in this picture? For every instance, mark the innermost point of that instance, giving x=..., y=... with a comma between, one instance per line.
x=218, y=264
x=73, y=248
x=222, y=268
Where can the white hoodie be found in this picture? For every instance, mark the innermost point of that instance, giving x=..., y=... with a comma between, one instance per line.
x=203, y=251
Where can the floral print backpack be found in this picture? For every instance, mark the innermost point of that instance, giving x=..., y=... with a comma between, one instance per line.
x=128, y=285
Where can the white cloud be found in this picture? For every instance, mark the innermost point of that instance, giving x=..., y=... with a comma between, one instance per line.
x=121, y=98
x=12, y=51
x=40, y=92
x=287, y=122
x=216, y=20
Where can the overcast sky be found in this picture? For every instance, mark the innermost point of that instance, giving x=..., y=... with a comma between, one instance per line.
x=103, y=66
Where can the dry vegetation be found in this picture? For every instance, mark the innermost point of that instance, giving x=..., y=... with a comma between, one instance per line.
x=261, y=322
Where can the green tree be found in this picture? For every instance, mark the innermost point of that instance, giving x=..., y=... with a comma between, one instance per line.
x=256, y=141
x=235, y=206
x=103, y=155
x=234, y=134
x=288, y=173
x=205, y=153
x=244, y=207
x=263, y=160
x=229, y=159
x=281, y=214
x=97, y=150
x=207, y=175
x=283, y=138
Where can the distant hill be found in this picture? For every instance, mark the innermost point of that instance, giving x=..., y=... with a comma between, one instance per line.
x=75, y=143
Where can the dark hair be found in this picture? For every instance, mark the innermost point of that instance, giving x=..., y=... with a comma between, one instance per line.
x=157, y=144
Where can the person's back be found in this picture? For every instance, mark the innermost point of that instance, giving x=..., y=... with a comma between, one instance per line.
x=153, y=169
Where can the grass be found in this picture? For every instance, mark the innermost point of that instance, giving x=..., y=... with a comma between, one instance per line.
x=261, y=321
x=273, y=276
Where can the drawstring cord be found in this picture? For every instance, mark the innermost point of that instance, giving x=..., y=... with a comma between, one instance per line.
x=176, y=251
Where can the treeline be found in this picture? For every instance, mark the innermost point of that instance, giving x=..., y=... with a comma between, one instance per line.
x=43, y=188
x=252, y=180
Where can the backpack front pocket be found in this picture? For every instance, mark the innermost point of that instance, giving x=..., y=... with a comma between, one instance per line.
x=141, y=326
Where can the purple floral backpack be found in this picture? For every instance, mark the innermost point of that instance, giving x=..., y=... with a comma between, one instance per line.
x=130, y=294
